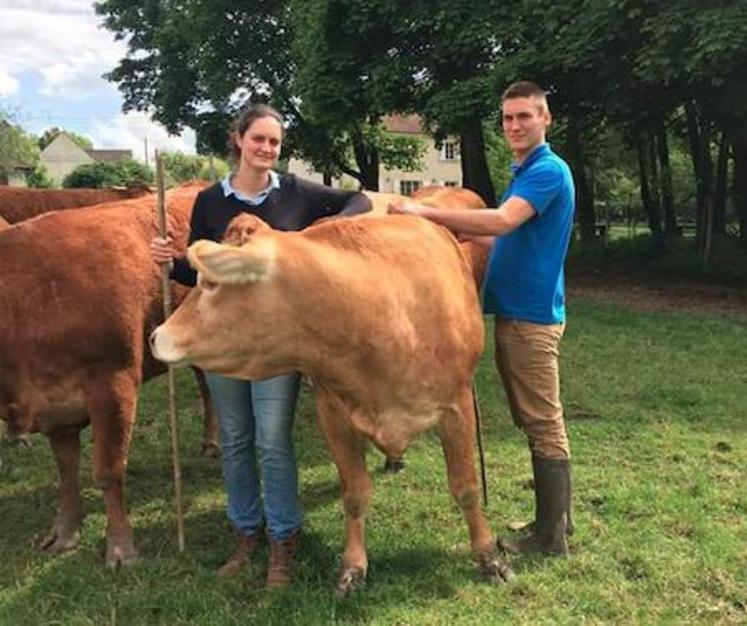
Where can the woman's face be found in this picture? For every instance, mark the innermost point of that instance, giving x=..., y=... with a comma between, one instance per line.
x=260, y=144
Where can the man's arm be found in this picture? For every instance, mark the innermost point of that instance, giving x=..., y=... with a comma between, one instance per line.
x=483, y=222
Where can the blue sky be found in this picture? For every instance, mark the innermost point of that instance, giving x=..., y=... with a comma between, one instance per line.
x=52, y=56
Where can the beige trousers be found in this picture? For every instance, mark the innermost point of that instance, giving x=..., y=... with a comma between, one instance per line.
x=526, y=355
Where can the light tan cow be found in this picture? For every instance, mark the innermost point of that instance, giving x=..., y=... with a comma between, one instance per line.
x=79, y=296
x=442, y=197
x=363, y=306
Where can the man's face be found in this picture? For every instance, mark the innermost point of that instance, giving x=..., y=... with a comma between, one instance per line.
x=524, y=123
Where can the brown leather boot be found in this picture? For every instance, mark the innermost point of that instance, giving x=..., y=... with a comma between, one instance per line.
x=280, y=569
x=245, y=546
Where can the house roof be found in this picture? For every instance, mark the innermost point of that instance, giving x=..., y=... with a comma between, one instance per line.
x=109, y=155
x=405, y=124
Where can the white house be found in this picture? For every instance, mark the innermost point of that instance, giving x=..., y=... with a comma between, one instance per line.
x=440, y=166
x=62, y=155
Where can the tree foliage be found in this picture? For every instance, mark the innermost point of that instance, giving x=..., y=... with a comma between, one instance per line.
x=109, y=174
x=17, y=149
x=648, y=81
x=180, y=167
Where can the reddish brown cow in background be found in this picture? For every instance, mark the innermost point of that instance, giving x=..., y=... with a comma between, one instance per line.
x=383, y=299
x=20, y=203
x=442, y=197
x=79, y=296
x=458, y=198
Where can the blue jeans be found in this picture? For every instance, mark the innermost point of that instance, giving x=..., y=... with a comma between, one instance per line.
x=258, y=416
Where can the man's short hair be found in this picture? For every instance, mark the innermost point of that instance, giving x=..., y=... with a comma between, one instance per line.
x=525, y=89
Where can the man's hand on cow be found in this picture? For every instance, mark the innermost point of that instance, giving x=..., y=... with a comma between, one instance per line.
x=400, y=206
x=162, y=249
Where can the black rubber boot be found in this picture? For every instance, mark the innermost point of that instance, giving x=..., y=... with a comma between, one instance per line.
x=552, y=492
x=528, y=527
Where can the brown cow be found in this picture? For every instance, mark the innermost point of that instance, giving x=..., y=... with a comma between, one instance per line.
x=34, y=202
x=20, y=203
x=80, y=294
x=363, y=306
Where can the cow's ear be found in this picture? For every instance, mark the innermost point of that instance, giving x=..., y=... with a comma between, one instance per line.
x=225, y=264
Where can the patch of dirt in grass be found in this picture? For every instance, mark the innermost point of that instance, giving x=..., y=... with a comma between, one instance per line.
x=656, y=293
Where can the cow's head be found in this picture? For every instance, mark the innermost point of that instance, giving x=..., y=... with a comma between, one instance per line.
x=232, y=321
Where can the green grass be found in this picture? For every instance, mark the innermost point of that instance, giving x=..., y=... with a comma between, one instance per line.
x=656, y=412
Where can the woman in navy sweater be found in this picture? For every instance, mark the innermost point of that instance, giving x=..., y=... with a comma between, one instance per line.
x=256, y=417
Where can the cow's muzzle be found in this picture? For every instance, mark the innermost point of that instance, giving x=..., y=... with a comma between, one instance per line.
x=163, y=348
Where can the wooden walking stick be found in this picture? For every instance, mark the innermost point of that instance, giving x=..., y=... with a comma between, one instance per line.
x=166, y=290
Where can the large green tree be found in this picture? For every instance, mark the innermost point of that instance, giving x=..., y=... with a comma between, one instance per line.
x=360, y=59
x=697, y=51
x=17, y=149
x=196, y=64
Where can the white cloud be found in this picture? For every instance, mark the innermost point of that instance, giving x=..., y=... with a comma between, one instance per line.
x=133, y=129
x=8, y=84
x=61, y=41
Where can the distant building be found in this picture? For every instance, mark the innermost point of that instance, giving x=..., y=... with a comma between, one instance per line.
x=440, y=166
x=63, y=155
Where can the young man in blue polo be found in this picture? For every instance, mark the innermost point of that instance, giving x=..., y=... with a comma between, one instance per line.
x=524, y=287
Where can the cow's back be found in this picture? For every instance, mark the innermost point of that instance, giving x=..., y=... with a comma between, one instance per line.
x=21, y=203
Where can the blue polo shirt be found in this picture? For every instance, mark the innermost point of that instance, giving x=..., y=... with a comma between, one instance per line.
x=525, y=278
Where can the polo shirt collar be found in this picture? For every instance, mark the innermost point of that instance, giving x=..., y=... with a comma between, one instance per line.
x=535, y=154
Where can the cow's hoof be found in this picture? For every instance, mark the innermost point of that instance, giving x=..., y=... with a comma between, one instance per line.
x=121, y=554
x=494, y=569
x=210, y=449
x=351, y=578
x=59, y=541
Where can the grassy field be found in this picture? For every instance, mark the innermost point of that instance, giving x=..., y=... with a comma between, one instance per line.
x=658, y=420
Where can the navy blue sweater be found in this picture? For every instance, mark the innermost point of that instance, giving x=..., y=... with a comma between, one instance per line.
x=296, y=204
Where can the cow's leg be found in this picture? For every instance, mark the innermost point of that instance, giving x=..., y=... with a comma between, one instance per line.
x=112, y=405
x=65, y=532
x=457, y=433
x=348, y=452
x=210, y=445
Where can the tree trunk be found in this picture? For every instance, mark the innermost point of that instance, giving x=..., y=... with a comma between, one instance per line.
x=367, y=159
x=719, y=192
x=654, y=224
x=584, y=193
x=648, y=198
x=475, y=172
x=698, y=131
x=739, y=183
x=665, y=180
x=327, y=178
